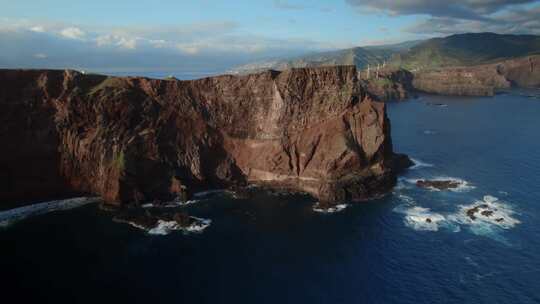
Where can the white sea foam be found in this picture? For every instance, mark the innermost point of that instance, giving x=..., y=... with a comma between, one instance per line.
x=419, y=218
x=133, y=224
x=165, y=227
x=336, y=208
x=406, y=199
x=419, y=164
x=12, y=216
x=489, y=214
x=463, y=185
x=203, y=194
x=173, y=204
x=400, y=185
x=199, y=225
x=490, y=210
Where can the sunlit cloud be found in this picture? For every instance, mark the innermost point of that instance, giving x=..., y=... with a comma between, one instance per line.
x=72, y=33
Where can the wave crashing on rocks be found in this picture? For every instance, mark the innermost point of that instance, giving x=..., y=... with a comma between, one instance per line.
x=334, y=209
x=442, y=183
x=12, y=216
x=483, y=216
x=164, y=227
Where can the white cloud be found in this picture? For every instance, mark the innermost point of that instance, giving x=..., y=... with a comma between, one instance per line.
x=159, y=43
x=73, y=33
x=117, y=41
x=188, y=48
x=127, y=43
x=451, y=17
x=37, y=29
x=213, y=45
x=514, y=21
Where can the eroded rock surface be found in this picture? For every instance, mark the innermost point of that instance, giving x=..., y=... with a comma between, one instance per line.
x=481, y=80
x=136, y=139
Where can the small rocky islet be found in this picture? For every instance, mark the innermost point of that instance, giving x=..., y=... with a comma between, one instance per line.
x=439, y=184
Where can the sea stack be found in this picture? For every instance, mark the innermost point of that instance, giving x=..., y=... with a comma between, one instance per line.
x=130, y=140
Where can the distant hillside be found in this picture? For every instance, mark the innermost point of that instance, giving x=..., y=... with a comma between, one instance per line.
x=358, y=56
x=456, y=50
x=467, y=49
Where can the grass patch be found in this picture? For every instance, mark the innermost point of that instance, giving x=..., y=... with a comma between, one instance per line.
x=119, y=161
x=109, y=82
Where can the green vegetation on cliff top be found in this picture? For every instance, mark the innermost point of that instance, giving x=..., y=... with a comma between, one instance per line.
x=468, y=49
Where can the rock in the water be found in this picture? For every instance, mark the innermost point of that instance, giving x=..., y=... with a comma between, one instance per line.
x=438, y=184
x=133, y=139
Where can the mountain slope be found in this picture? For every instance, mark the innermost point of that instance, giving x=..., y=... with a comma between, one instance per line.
x=455, y=50
x=357, y=56
x=468, y=49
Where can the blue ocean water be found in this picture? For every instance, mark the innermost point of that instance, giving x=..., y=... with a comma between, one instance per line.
x=158, y=74
x=275, y=249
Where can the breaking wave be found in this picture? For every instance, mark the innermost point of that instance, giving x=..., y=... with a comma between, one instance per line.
x=420, y=164
x=482, y=217
x=490, y=210
x=420, y=218
x=336, y=208
x=166, y=227
x=173, y=204
x=12, y=216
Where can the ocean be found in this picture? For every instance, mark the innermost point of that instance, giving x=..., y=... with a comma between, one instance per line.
x=274, y=248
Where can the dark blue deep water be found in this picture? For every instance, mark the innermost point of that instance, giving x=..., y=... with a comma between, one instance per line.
x=275, y=249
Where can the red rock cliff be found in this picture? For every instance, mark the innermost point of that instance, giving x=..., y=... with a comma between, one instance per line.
x=480, y=80
x=136, y=139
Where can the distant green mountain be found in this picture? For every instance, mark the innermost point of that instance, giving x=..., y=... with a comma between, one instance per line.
x=358, y=56
x=467, y=49
x=454, y=50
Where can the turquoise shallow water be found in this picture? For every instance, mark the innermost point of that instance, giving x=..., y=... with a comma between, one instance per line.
x=274, y=248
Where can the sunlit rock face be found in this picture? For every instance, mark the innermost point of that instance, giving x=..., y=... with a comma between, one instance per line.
x=313, y=130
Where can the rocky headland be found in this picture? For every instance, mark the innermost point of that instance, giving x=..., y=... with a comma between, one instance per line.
x=478, y=80
x=481, y=80
x=134, y=140
x=388, y=84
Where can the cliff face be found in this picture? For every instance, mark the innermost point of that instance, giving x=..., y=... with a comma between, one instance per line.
x=481, y=80
x=389, y=84
x=138, y=139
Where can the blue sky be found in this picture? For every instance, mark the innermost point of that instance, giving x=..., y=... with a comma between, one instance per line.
x=202, y=35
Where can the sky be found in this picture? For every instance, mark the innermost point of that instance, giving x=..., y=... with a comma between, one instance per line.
x=211, y=36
